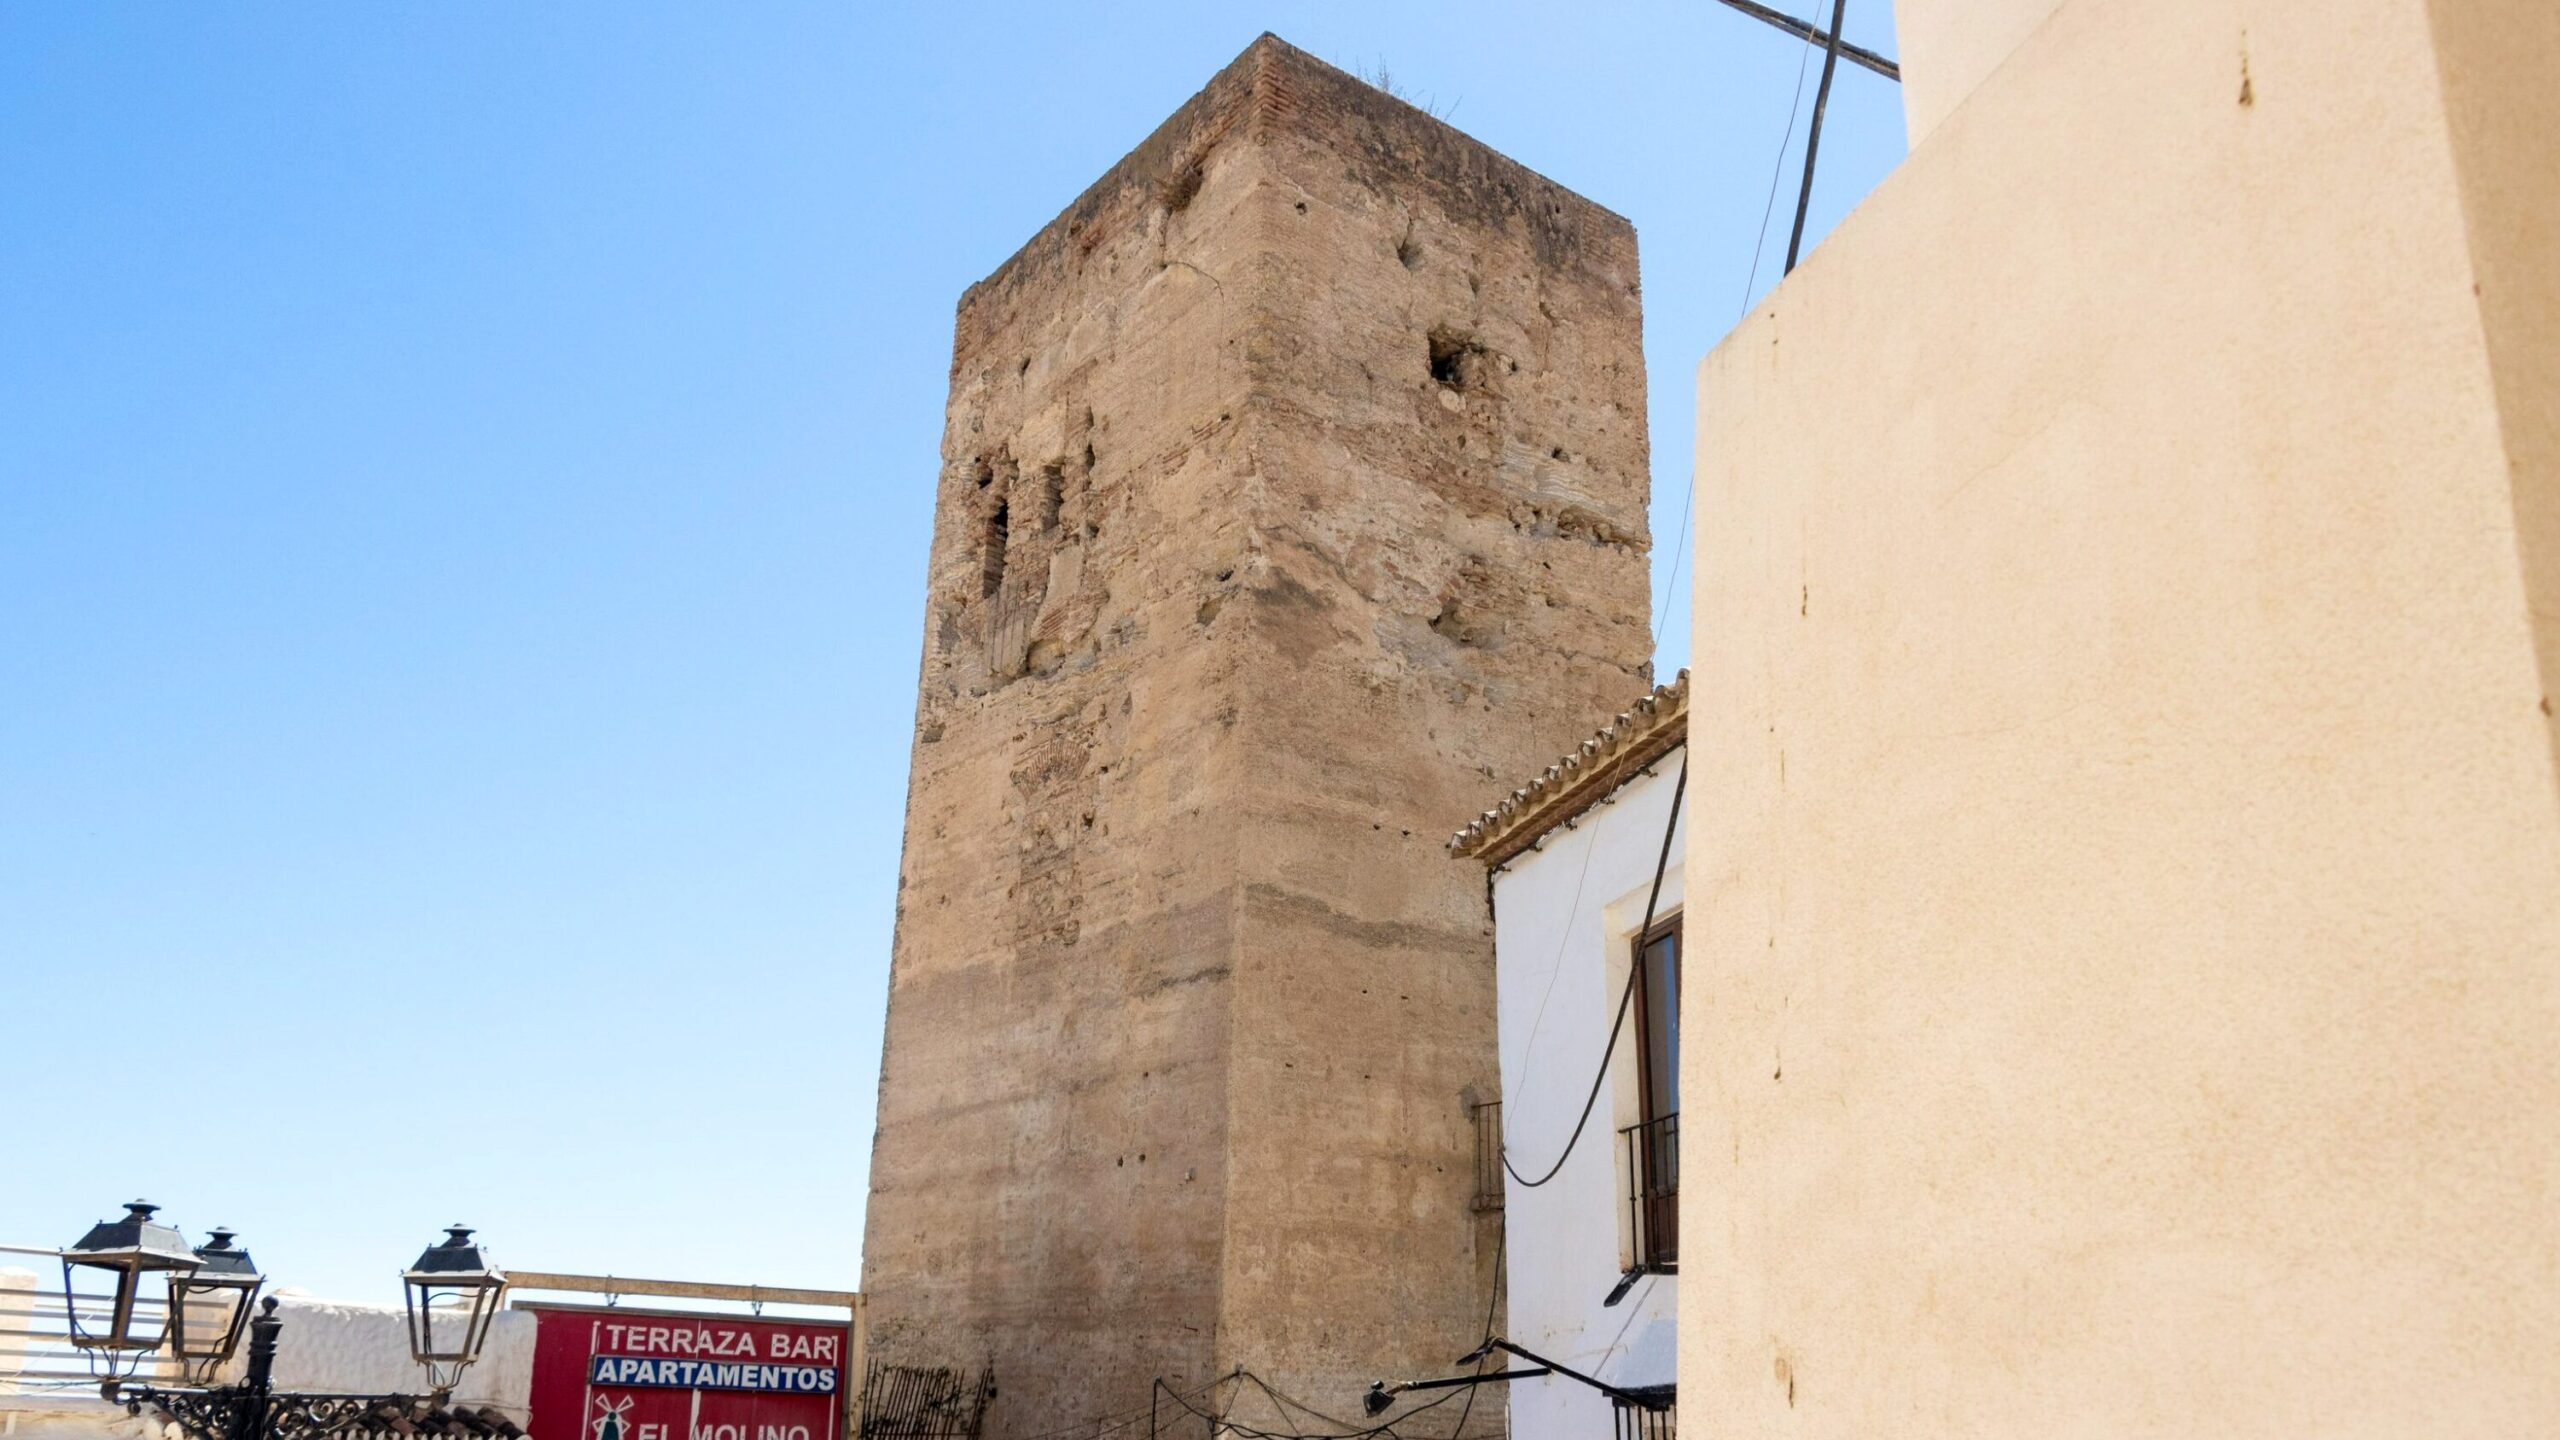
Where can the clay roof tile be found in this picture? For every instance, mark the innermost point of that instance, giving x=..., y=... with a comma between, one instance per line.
x=1641, y=734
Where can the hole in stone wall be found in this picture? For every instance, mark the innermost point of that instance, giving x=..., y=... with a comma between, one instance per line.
x=1181, y=186
x=1455, y=359
x=1053, y=494
x=1086, y=506
x=991, y=543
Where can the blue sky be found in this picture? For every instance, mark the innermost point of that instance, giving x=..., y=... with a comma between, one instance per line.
x=465, y=475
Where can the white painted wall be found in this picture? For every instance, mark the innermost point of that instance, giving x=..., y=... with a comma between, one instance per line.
x=335, y=1345
x=1565, y=917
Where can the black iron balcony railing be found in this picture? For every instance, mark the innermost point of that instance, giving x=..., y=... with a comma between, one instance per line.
x=1488, y=1117
x=1656, y=1418
x=1653, y=1192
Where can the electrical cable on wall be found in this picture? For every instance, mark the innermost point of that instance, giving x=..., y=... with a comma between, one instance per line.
x=1384, y=1430
x=1492, y=1302
x=1119, y=1420
x=1626, y=998
x=1282, y=1403
x=1833, y=48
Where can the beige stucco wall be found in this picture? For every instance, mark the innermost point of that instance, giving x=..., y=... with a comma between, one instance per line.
x=1947, y=47
x=2124, y=881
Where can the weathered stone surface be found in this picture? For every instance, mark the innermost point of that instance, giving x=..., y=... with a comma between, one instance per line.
x=1292, y=505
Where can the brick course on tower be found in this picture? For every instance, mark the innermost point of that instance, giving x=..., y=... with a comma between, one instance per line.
x=1292, y=503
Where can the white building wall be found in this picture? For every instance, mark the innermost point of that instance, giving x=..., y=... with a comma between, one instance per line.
x=338, y=1345
x=1565, y=919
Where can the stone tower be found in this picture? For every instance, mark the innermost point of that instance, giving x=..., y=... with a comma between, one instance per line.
x=1292, y=502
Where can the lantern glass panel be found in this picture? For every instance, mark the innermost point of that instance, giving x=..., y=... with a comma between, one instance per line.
x=111, y=1309
x=452, y=1322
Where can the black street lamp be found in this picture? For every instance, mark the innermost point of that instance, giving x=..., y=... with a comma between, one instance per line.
x=129, y=1249
x=209, y=1305
x=453, y=1294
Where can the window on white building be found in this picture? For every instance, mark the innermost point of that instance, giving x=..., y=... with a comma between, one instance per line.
x=1652, y=1145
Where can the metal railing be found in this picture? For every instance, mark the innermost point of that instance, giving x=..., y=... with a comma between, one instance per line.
x=1646, y=1422
x=36, y=1353
x=1652, y=1152
x=1488, y=1118
x=912, y=1402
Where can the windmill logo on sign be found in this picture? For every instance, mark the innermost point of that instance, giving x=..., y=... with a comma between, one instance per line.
x=608, y=1423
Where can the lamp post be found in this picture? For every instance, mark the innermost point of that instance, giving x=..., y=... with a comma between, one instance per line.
x=453, y=1293
x=1382, y=1394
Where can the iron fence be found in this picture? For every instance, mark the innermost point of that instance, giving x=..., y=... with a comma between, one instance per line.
x=914, y=1402
x=1657, y=1418
x=1653, y=1192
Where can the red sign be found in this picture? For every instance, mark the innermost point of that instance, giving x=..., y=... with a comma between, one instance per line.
x=617, y=1374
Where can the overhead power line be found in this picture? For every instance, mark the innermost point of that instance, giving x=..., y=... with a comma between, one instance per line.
x=1857, y=55
x=1813, y=132
x=1833, y=48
